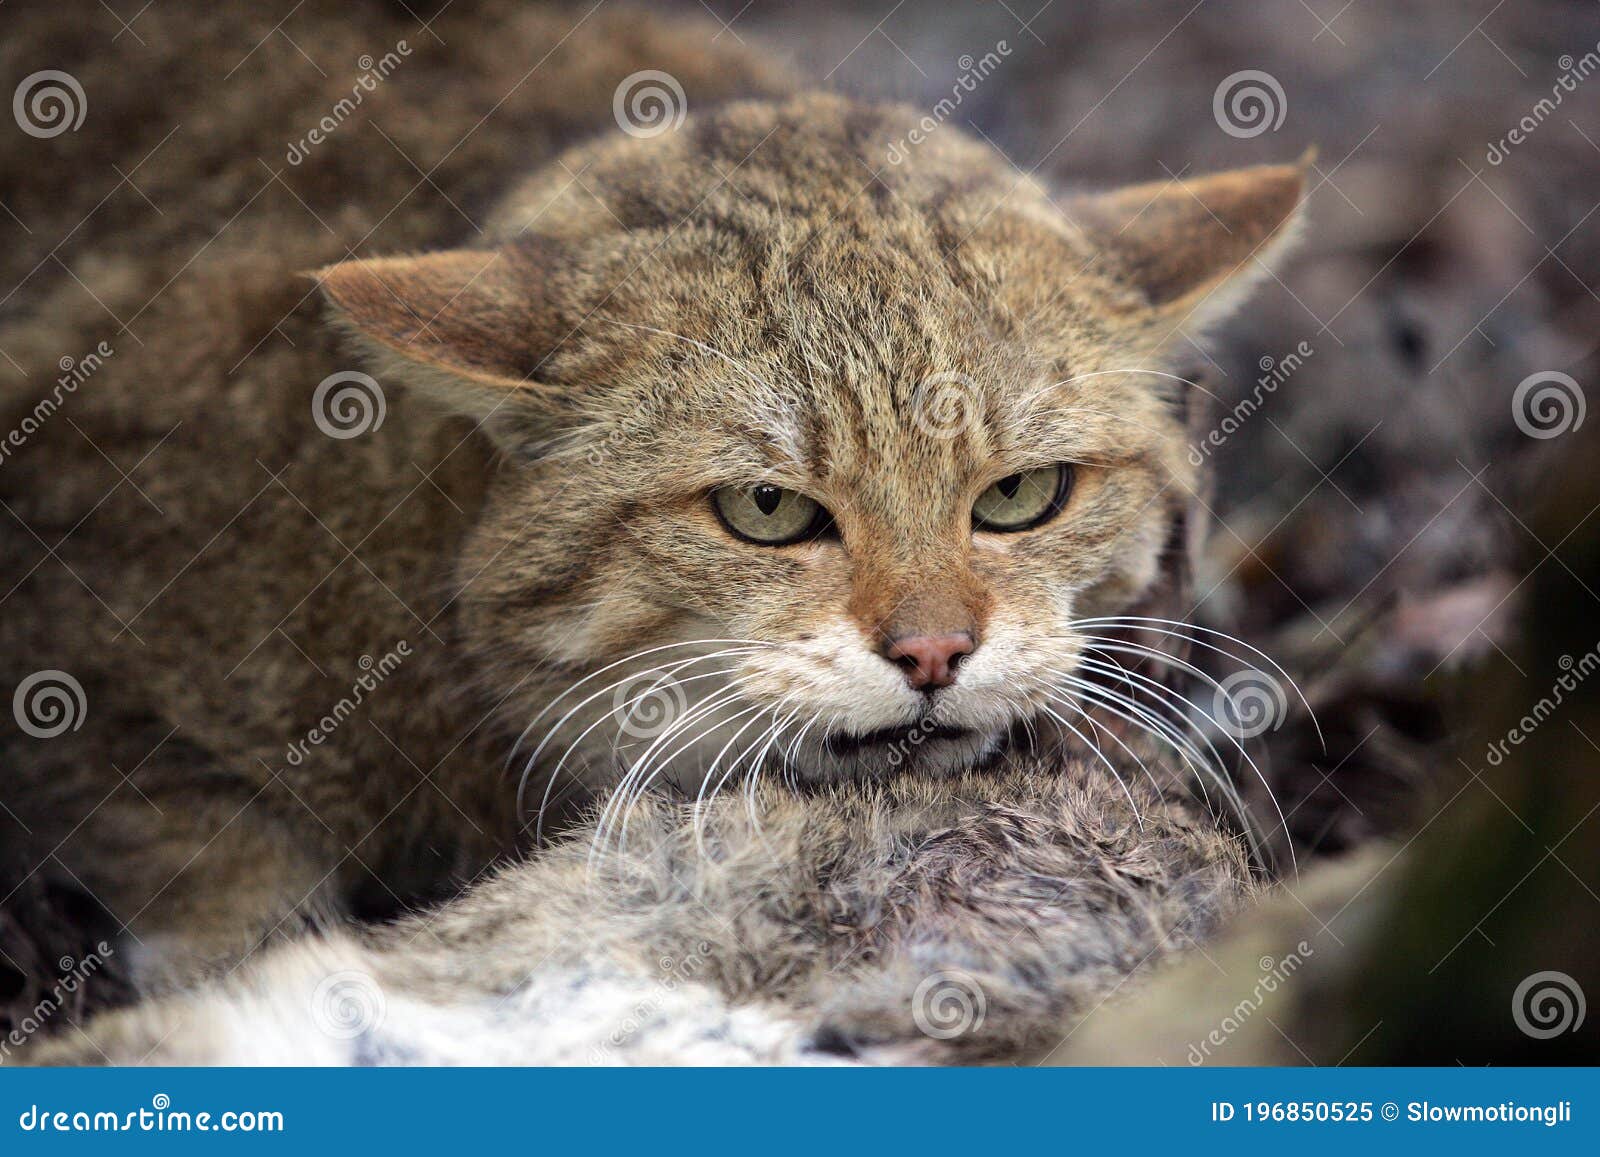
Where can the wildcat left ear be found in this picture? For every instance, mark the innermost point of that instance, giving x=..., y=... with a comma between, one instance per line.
x=470, y=327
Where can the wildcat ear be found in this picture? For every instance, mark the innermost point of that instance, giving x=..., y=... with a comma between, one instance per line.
x=470, y=327
x=1194, y=248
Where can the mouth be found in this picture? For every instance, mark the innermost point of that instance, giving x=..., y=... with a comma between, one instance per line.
x=845, y=744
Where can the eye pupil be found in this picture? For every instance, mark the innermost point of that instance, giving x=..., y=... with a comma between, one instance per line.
x=766, y=498
x=1022, y=500
x=769, y=515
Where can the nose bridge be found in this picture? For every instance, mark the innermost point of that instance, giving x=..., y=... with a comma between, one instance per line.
x=902, y=590
x=944, y=604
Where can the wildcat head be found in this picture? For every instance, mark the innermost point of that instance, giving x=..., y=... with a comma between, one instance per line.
x=807, y=461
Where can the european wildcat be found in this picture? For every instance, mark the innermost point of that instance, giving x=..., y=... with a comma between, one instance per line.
x=870, y=446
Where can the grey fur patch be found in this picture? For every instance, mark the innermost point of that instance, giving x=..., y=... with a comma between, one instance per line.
x=965, y=921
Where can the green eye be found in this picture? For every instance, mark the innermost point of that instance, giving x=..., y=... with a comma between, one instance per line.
x=769, y=515
x=1020, y=501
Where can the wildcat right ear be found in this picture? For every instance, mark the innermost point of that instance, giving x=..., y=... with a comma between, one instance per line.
x=469, y=327
x=1193, y=248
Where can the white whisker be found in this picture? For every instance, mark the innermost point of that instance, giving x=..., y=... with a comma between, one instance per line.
x=1101, y=756
x=1154, y=721
x=1146, y=621
x=665, y=761
x=1123, y=647
x=640, y=771
x=754, y=644
x=669, y=668
x=1073, y=702
x=555, y=772
x=767, y=736
x=1168, y=733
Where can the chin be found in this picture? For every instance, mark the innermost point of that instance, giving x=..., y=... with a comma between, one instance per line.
x=919, y=749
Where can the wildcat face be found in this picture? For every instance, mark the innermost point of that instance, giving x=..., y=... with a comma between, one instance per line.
x=837, y=452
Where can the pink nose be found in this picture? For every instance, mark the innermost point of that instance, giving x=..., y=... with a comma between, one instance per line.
x=930, y=661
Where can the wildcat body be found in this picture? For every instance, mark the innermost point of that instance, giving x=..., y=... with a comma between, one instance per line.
x=753, y=298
